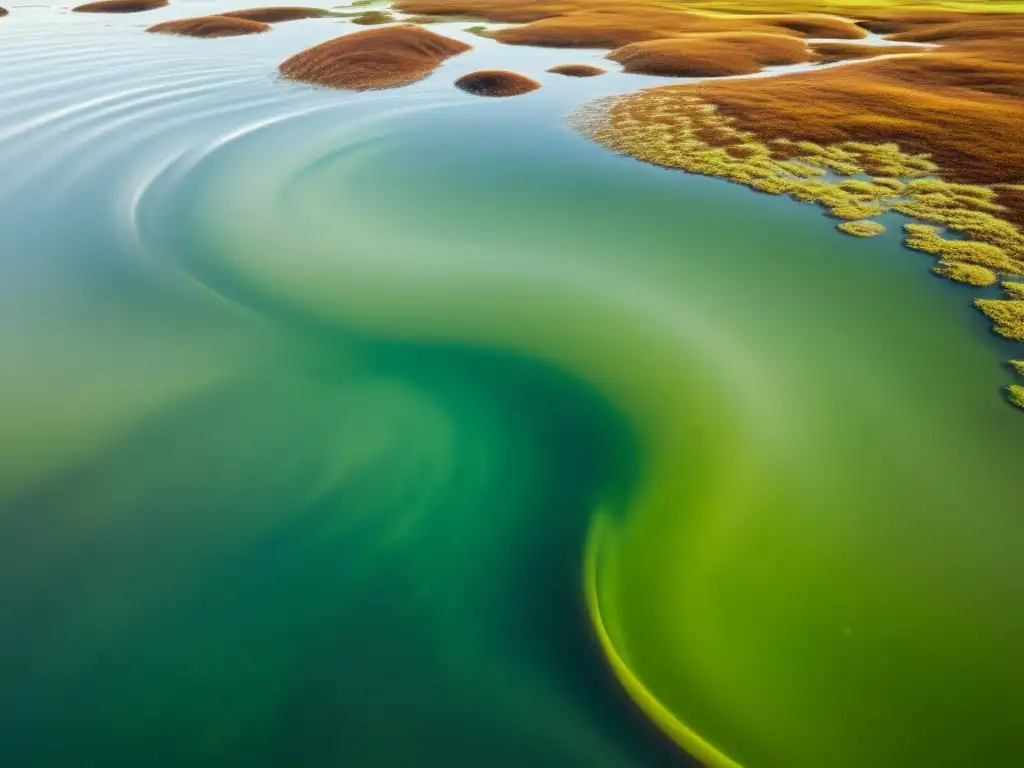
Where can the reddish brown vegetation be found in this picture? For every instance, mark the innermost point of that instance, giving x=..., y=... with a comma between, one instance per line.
x=120, y=6
x=210, y=26
x=3, y=12
x=829, y=52
x=577, y=70
x=274, y=14
x=965, y=110
x=711, y=55
x=615, y=23
x=1013, y=199
x=496, y=82
x=375, y=58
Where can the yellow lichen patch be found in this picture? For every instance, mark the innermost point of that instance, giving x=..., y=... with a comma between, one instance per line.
x=1016, y=394
x=1013, y=290
x=1007, y=316
x=861, y=228
x=971, y=274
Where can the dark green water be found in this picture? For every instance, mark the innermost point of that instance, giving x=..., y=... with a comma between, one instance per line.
x=312, y=402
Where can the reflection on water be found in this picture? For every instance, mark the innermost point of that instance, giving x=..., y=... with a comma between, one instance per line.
x=310, y=400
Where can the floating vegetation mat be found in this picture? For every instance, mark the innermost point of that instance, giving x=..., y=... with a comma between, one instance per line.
x=964, y=227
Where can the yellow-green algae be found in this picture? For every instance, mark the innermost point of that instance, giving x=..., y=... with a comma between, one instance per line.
x=689, y=134
x=861, y=228
x=1018, y=366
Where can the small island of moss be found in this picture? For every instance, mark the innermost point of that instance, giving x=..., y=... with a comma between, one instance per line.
x=1006, y=315
x=374, y=58
x=970, y=274
x=371, y=18
x=1016, y=394
x=496, y=82
x=577, y=70
x=209, y=27
x=119, y=6
x=861, y=228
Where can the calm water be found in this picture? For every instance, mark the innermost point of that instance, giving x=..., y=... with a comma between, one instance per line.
x=312, y=401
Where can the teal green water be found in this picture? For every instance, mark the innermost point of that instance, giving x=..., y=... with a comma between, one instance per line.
x=312, y=402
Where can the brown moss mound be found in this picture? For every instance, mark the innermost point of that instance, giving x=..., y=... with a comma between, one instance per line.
x=3, y=12
x=496, y=82
x=577, y=70
x=119, y=6
x=615, y=23
x=374, y=58
x=711, y=55
x=830, y=52
x=210, y=26
x=275, y=14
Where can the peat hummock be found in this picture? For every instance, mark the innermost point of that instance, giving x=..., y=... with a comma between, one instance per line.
x=577, y=70
x=496, y=82
x=119, y=6
x=375, y=58
x=275, y=14
x=712, y=55
x=210, y=26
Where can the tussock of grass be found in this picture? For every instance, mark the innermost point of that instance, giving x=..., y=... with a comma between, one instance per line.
x=1018, y=366
x=861, y=228
x=1013, y=290
x=971, y=274
x=371, y=18
x=1006, y=315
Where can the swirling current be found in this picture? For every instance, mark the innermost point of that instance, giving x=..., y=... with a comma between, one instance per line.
x=410, y=428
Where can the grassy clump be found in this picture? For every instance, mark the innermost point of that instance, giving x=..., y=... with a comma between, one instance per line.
x=1006, y=315
x=971, y=274
x=1015, y=392
x=370, y=18
x=861, y=228
x=1013, y=290
x=1018, y=365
